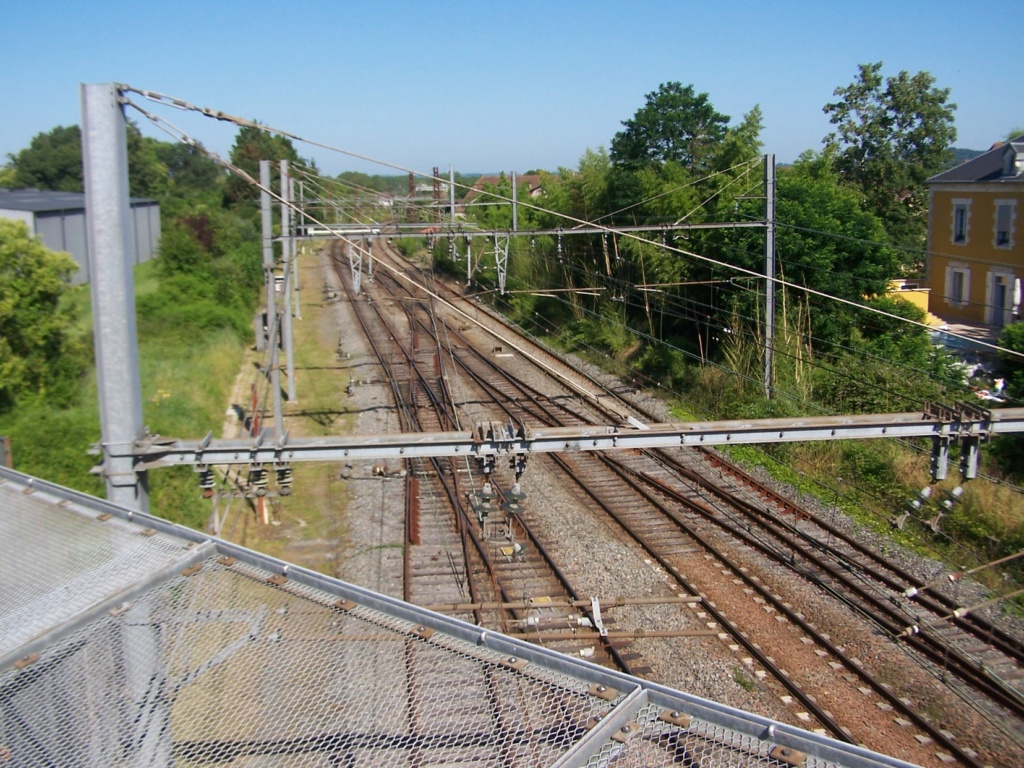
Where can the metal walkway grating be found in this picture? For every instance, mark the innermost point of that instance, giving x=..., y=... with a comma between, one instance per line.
x=131, y=642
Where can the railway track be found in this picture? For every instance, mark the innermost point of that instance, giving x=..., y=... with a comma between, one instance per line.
x=520, y=588
x=681, y=500
x=987, y=658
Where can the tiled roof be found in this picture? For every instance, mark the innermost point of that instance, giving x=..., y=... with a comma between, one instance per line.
x=533, y=179
x=985, y=167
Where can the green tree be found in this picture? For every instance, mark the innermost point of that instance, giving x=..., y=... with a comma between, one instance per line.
x=587, y=187
x=253, y=144
x=36, y=353
x=828, y=242
x=1012, y=366
x=741, y=142
x=190, y=173
x=53, y=161
x=890, y=135
x=825, y=240
x=676, y=124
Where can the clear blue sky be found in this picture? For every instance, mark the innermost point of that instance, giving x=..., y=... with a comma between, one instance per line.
x=496, y=85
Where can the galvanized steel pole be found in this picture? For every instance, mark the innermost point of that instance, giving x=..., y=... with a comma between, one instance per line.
x=769, y=273
x=515, y=204
x=288, y=256
x=451, y=193
x=270, y=274
x=110, y=255
x=296, y=223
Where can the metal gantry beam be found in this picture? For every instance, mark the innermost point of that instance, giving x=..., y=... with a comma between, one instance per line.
x=313, y=232
x=497, y=439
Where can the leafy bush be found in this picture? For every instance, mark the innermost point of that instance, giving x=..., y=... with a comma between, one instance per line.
x=410, y=246
x=51, y=442
x=38, y=352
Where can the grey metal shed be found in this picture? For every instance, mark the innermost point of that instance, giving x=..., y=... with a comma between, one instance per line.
x=58, y=218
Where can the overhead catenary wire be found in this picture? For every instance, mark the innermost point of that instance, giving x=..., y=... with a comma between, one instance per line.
x=399, y=274
x=223, y=116
x=952, y=578
x=183, y=137
x=697, y=314
x=959, y=613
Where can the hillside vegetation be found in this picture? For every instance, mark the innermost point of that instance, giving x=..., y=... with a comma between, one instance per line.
x=195, y=304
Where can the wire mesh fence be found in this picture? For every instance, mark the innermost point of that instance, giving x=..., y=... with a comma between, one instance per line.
x=126, y=641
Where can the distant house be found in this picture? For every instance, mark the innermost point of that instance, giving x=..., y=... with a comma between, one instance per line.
x=58, y=218
x=531, y=179
x=975, y=243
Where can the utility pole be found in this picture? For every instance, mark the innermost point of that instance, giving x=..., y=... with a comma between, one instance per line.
x=515, y=204
x=769, y=273
x=270, y=274
x=112, y=287
x=451, y=194
x=296, y=223
x=288, y=256
x=436, y=197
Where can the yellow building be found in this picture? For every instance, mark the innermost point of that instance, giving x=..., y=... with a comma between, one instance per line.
x=975, y=242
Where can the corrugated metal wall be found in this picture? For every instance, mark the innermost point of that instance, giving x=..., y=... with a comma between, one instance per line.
x=65, y=231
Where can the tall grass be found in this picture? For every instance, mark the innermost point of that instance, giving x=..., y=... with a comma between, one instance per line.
x=187, y=368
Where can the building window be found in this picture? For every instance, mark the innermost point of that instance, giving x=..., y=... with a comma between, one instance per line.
x=961, y=220
x=1005, y=215
x=958, y=285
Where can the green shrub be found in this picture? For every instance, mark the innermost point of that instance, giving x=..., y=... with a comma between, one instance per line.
x=51, y=442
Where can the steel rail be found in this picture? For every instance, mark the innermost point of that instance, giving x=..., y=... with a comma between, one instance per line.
x=819, y=713
x=935, y=602
x=797, y=619
x=465, y=523
x=549, y=561
x=412, y=424
x=940, y=738
x=874, y=608
x=979, y=628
